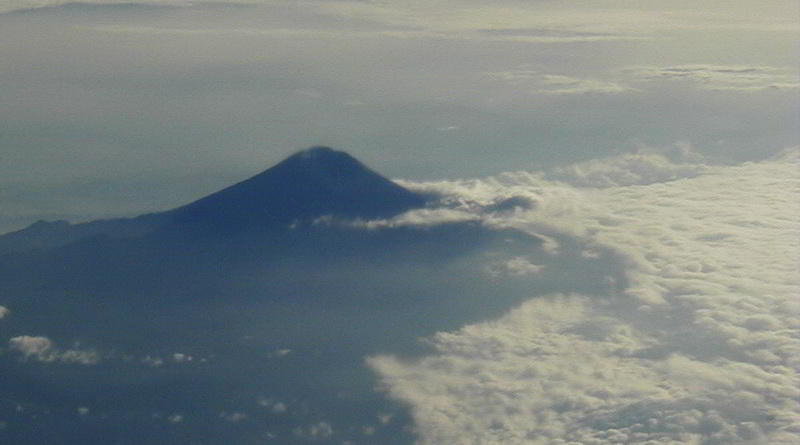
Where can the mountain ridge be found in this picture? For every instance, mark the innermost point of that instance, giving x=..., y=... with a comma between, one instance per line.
x=315, y=182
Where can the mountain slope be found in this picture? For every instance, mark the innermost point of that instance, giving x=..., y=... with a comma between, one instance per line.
x=224, y=322
x=309, y=184
x=312, y=183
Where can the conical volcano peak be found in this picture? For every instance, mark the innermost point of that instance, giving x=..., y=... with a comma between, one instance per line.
x=324, y=161
x=320, y=154
x=311, y=183
x=319, y=151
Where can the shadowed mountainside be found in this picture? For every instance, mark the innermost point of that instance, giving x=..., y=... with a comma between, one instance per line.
x=245, y=318
x=315, y=182
x=312, y=183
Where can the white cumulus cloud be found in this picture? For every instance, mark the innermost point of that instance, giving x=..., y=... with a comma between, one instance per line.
x=645, y=166
x=42, y=349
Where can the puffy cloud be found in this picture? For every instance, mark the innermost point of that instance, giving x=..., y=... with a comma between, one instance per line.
x=31, y=346
x=175, y=418
x=83, y=357
x=702, y=347
x=535, y=376
x=274, y=406
x=505, y=196
x=4, y=312
x=646, y=166
x=515, y=266
x=43, y=350
x=179, y=357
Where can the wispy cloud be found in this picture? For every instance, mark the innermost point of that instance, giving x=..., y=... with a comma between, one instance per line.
x=558, y=84
x=645, y=166
x=318, y=431
x=720, y=77
x=550, y=35
x=419, y=218
x=730, y=78
x=534, y=22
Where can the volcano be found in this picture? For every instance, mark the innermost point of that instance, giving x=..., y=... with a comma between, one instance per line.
x=245, y=317
x=312, y=183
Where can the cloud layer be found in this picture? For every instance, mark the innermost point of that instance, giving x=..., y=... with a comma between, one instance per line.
x=636, y=79
x=701, y=348
x=721, y=77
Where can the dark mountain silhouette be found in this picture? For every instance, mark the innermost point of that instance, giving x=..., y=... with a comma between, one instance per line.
x=43, y=235
x=229, y=280
x=312, y=183
x=316, y=182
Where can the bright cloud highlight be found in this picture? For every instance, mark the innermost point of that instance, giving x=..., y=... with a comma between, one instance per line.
x=42, y=349
x=702, y=347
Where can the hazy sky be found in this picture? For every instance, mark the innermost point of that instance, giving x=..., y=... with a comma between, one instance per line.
x=663, y=131
x=113, y=108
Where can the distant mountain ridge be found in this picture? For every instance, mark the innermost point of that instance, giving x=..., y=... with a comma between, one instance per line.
x=315, y=182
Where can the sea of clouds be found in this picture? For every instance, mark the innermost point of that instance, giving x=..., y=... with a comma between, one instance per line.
x=701, y=347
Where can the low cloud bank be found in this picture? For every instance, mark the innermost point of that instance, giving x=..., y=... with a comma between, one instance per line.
x=703, y=347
